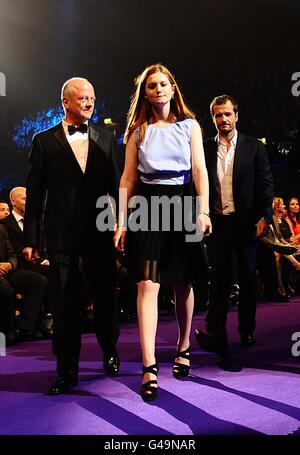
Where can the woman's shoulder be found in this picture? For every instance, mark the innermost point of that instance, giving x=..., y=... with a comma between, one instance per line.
x=186, y=120
x=186, y=123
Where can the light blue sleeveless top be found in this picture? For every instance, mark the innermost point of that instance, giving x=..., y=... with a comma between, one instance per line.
x=165, y=155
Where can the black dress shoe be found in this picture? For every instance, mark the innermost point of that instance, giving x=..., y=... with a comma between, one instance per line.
x=282, y=248
x=62, y=385
x=290, y=291
x=208, y=342
x=247, y=341
x=111, y=364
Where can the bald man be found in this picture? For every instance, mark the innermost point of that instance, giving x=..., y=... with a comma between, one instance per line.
x=14, y=224
x=18, y=198
x=14, y=221
x=71, y=166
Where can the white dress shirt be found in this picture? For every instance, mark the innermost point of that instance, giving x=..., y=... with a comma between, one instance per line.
x=224, y=172
x=79, y=143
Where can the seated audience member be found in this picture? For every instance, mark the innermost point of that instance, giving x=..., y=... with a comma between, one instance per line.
x=31, y=285
x=267, y=276
x=282, y=252
x=274, y=237
x=14, y=227
x=293, y=219
x=4, y=209
x=284, y=226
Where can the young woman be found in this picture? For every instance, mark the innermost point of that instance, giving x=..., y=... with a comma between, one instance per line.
x=280, y=225
x=293, y=218
x=164, y=154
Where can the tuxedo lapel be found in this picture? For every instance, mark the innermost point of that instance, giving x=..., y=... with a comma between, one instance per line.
x=97, y=136
x=93, y=139
x=95, y=142
x=94, y=135
x=14, y=224
x=60, y=136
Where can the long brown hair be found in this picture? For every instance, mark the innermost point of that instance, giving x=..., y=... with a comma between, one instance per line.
x=140, y=111
x=289, y=213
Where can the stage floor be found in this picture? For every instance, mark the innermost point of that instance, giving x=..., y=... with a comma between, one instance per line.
x=255, y=394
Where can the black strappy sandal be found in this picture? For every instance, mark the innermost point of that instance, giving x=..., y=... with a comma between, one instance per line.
x=181, y=370
x=148, y=391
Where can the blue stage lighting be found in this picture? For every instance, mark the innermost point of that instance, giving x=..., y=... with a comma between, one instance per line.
x=44, y=120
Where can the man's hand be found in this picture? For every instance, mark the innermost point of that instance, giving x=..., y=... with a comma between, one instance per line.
x=30, y=253
x=45, y=262
x=5, y=267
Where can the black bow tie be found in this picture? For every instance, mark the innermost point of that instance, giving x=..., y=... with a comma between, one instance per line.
x=74, y=129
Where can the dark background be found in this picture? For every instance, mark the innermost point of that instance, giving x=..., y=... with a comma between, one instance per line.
x=248, y=49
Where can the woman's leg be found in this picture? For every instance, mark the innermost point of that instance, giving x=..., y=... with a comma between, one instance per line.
x=293, y=261
x=279, y=273
x=147, y=309
x=184, y=307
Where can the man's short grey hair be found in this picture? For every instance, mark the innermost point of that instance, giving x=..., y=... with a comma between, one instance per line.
x=68, y=85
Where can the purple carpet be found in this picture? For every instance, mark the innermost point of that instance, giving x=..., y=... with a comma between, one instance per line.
x=257, y=393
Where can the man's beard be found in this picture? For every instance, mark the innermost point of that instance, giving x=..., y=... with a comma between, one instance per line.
x=226, y=132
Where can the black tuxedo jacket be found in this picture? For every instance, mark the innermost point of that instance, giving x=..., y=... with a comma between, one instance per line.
x=61, y=197
x=15, y=234
x=252, y=182
x=7, y=253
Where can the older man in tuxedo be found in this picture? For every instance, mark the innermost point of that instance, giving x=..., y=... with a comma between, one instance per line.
x=71, y=166
x=241, y=193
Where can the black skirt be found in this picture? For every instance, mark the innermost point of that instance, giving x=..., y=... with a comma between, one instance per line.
x=156, y=242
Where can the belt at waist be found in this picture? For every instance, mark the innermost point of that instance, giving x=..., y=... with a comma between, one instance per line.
x=165, y=174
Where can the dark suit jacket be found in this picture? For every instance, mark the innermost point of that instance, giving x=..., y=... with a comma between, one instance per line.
x=252, y=182
x=15, y=234
x=61, y=196
x=7, y=253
